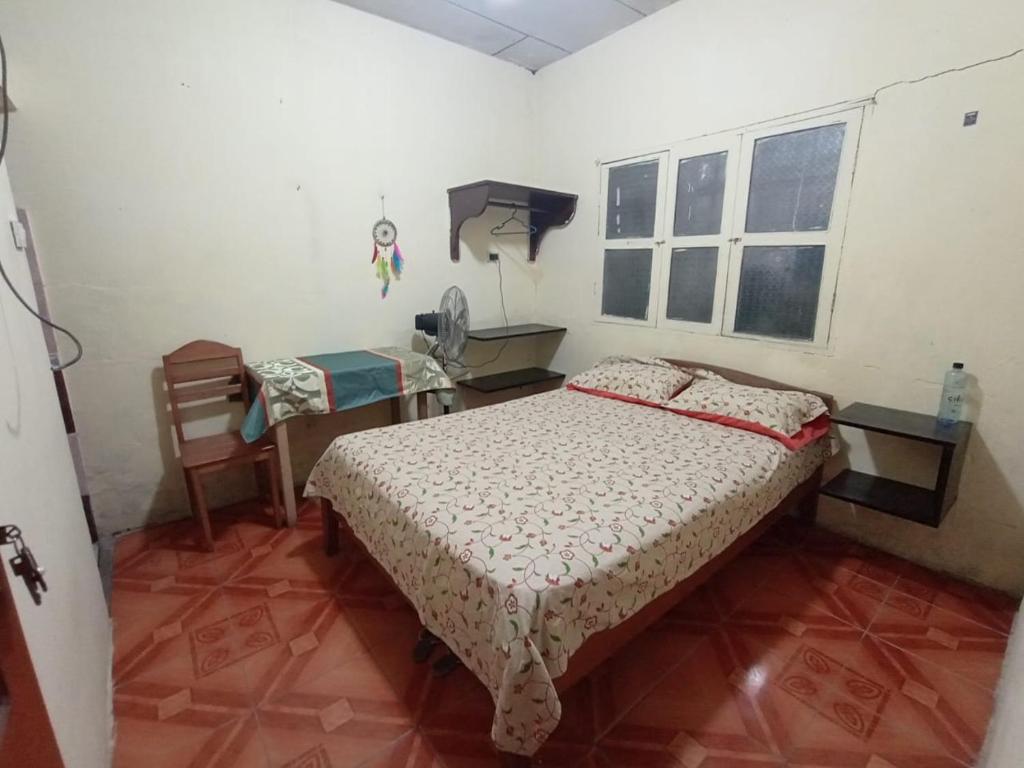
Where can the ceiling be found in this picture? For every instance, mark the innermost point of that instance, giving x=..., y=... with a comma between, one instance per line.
x=530, y=33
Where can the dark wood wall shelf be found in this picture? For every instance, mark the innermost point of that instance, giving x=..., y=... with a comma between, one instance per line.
x=514, y=331
x=522, y=377
x=911, y=502
x=547, y=208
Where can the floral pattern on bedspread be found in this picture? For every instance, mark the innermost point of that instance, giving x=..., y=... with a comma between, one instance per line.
x=519, y=530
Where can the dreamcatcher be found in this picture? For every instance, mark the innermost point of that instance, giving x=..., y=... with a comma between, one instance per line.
x=387, y=256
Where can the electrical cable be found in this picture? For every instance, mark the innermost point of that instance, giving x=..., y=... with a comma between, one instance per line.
x=79, y=351
x=504, y=314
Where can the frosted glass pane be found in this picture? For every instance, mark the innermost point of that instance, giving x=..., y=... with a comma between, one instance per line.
x=700, y=186
x=632, y=200
x=793, y=180
x=778, y=293
x=691, y=284
x=627, y=282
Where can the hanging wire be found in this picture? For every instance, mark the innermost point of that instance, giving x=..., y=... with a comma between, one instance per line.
x=3, y=273
x=504, y=314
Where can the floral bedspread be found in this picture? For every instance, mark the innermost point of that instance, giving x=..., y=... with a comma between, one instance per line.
x=519, y=530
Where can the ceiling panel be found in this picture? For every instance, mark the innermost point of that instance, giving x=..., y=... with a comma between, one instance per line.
x=532, y=54
x=568, y=24
x=530, y=33
x=647, y=7
x=444, y=19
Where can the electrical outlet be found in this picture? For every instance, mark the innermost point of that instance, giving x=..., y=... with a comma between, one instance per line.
x=492, y=256
x=19, y=235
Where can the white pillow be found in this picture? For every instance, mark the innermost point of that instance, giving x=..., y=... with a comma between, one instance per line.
x=781, y=411
x=647, y=380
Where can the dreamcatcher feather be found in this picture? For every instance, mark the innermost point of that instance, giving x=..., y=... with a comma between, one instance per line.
x=387, y=256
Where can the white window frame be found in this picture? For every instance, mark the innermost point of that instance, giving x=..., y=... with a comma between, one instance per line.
x=636, y=243
x=732, y=237
x=683, y=151
x=831, y=238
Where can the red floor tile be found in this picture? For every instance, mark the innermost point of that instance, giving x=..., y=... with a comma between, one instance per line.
x=944, y=638
x=723, y=701
x=941, y=711
x=189, y=741
x=625, y=678
x=978, y=604
x=808, y=650
x=413, y=750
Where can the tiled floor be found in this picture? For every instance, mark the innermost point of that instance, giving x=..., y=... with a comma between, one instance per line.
x=809, y=650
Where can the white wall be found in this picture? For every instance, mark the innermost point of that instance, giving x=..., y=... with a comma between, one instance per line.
x=68, y=635
x=212, y=169
x=1002, y=741
x=932, y=270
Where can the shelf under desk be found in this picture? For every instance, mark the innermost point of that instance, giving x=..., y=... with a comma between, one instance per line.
x=521, y=377
x=513, y=331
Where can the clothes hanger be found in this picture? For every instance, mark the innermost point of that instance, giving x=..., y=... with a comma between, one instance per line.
x=529, y=229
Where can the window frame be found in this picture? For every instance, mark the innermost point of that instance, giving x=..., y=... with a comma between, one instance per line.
x=732, y=237
x=633, y=243
x=706, y=145
x=831, y=238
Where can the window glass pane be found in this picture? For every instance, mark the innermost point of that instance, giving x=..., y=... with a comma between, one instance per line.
x=793, y=179
x=778, y=293
x=627, y=282
x=700, y=186
x=691, y=284
x=632, y=200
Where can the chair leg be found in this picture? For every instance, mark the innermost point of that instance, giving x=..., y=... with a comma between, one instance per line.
x=201, y=511
x=191, y=494
x=275, y=491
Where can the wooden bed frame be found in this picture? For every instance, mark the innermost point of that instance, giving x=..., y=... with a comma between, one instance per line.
x=600, y=646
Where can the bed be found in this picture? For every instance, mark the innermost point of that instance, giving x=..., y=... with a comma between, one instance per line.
x=538, y=536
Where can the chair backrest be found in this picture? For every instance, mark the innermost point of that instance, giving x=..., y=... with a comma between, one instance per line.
x=202, y=371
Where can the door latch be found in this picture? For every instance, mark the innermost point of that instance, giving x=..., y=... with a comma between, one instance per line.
x=24, y=563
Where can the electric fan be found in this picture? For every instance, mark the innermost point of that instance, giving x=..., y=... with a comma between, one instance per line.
x=449, y=325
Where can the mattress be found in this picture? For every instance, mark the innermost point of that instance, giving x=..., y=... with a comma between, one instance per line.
x=519, y=530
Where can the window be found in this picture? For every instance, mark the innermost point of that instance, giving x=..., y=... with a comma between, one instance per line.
x=734, y=234
x=633, y=195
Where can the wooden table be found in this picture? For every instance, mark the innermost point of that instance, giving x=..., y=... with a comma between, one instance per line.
x=319, y=384
x=280, y=433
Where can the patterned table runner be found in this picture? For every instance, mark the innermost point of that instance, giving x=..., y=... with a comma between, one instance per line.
x=340, y=381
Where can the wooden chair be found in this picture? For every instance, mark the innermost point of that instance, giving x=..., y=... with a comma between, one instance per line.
x=200, y=372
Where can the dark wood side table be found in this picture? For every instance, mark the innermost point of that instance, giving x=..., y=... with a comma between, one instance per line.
x=911, y=502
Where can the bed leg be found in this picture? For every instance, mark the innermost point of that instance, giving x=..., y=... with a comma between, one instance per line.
x=509, y=760
x=330, y=525
x=807, y=509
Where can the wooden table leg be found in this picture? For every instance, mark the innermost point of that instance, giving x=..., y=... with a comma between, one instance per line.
x=284, y=455
x=396, y=410
x=422, y=409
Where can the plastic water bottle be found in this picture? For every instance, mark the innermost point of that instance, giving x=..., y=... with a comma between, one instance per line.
x=954, y=392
